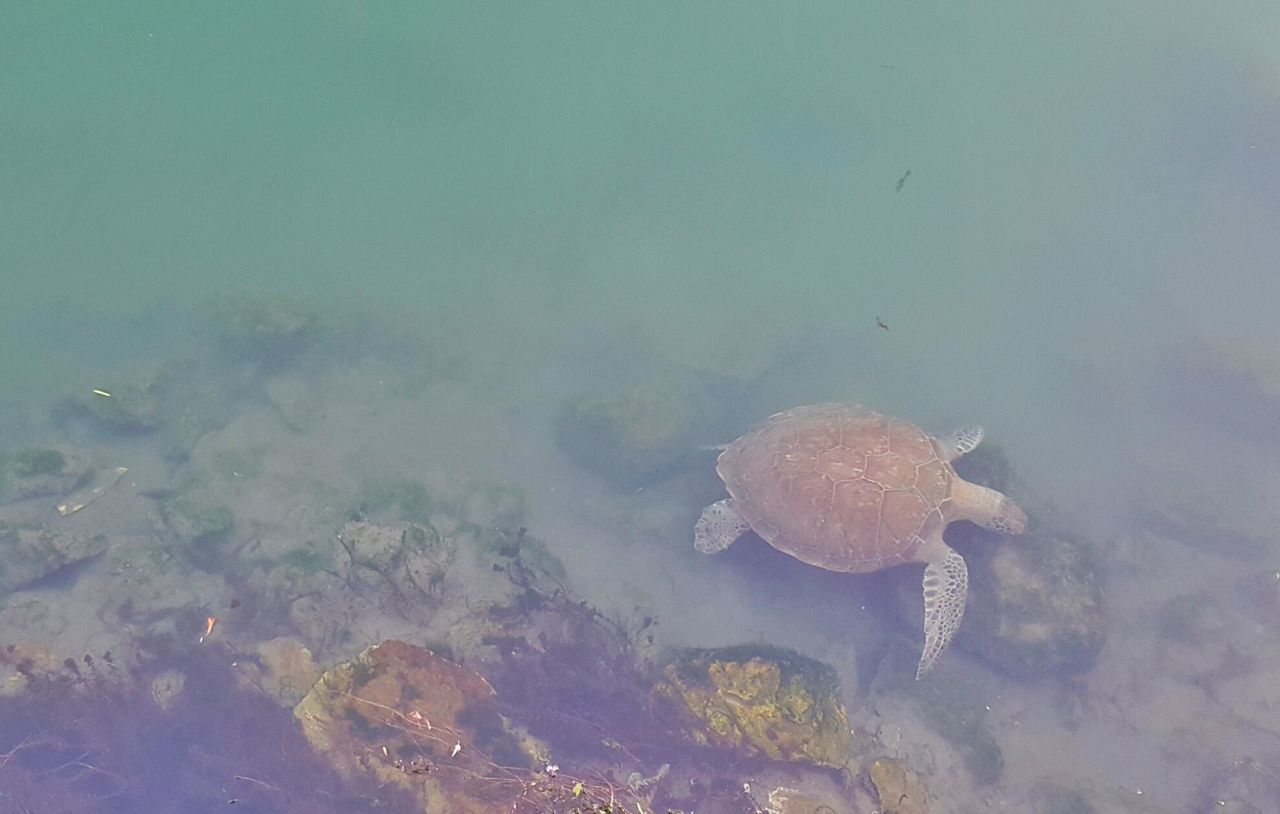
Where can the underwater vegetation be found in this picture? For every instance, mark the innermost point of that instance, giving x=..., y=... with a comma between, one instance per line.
x=762, y=700
x=35, y=461
x=39, y=471
x=83, y=741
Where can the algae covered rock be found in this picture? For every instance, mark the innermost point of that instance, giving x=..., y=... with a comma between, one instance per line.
x=764, y=701
x=28, y=555
x=636, y=438
x=120, y=404
x=166, y=687
x=272, y=331
x=1035, y=602
x=283, y=670
x=412, y=557
x=898, y=787
x=421, y=723
x=37, y=461
x=1034, y=606
x=41, y=471
x=395, y=712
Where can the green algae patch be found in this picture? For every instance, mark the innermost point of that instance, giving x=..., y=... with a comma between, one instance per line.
x=764, y=701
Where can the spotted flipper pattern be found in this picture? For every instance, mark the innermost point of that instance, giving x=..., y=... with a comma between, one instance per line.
x=960, y=442
x=946, y=584
x=717, y=528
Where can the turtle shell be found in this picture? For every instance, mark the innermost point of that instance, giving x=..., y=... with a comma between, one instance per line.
x=839, y=486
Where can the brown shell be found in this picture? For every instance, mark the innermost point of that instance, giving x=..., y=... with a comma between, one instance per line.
x=839, y=486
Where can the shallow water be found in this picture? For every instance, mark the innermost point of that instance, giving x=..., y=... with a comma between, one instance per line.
x=563, y=199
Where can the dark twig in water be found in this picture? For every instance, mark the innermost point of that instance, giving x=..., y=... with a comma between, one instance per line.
x=902, y=180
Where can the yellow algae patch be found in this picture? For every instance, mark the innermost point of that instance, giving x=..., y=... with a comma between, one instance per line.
x=773, y=703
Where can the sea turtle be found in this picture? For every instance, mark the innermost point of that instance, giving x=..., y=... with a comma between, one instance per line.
x=848, y=489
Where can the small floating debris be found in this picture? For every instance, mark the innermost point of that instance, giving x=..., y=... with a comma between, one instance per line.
x=102, y=480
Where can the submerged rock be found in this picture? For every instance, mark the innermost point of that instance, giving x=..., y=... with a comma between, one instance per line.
x=29, y=555
x=898, y=787
x=196, y=523
x=1035, y=601
x=1035, y=605
x=1234, y=518
x=272, y=331
x=786, y=800
x=166, y=687
x=634, y=439
x=1221, y=641
x=42, y=471
x=412, y=558
x=119, y=405
x=764, y=701
x=421, y=723
x=284, y=669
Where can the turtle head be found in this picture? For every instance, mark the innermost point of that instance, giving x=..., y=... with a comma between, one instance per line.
x=1008, y=518
x=987, y=507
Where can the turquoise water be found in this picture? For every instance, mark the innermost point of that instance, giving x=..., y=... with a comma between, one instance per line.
x=1079, y=182
x=574, y=195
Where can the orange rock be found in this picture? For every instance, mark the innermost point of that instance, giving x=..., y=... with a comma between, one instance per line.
x=430, y=726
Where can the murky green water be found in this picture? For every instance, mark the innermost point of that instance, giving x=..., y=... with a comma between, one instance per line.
x=1042, y=207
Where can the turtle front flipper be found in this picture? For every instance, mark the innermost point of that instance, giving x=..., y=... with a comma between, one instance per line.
x=717, y=528
x=946, y=584
x=961, y=442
